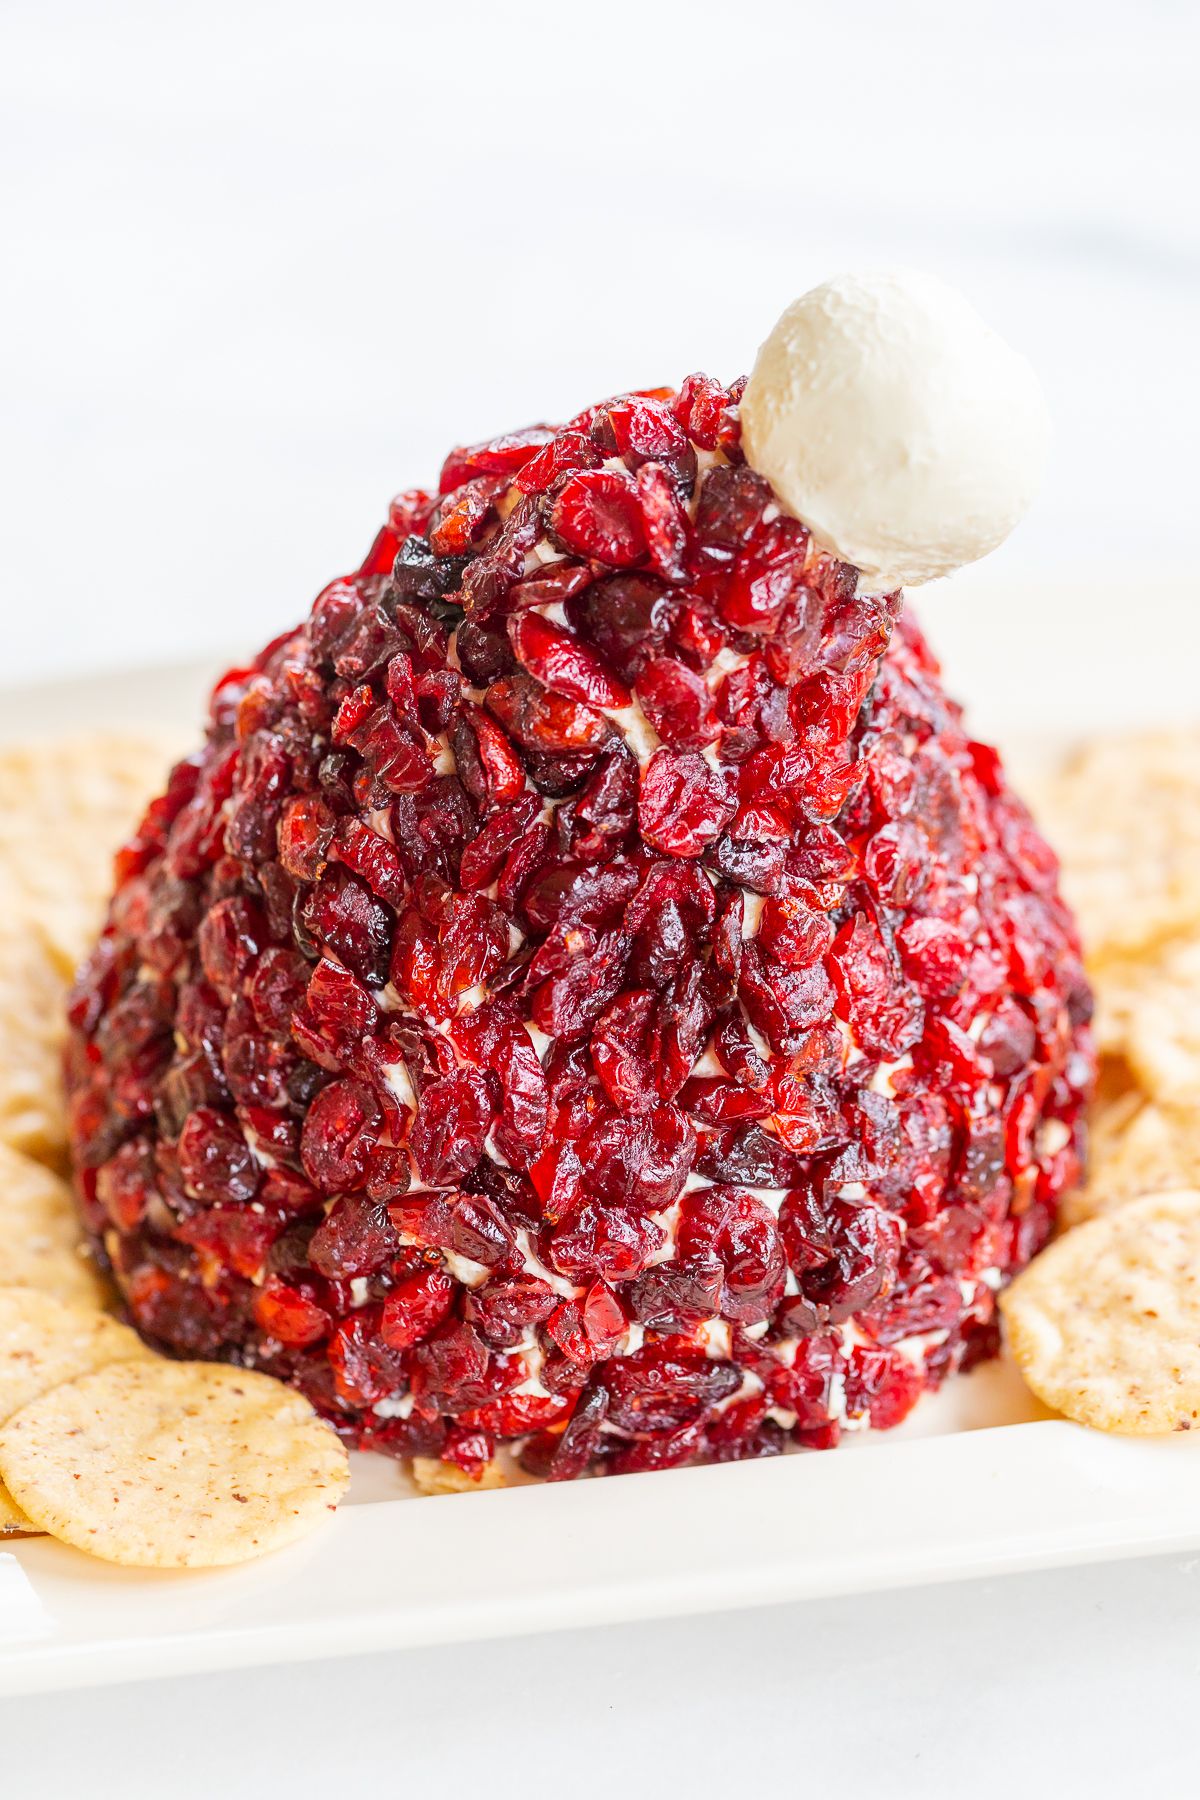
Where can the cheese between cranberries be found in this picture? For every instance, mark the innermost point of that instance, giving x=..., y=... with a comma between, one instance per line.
x=588, y=989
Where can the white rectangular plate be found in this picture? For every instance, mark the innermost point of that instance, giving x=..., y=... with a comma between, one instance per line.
x=978, y=1482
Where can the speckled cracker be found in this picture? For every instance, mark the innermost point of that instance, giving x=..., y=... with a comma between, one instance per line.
x=173, y=1465
x=41, y=1241
x=1163, y=1035
x=65, y=807
x=1124, y=816
x=434, y=1477
x=1137, y=1148
x=13, y=1521
x=44, y=1342
x=32, y=993
x=1105, y=1324
x=1118, y=984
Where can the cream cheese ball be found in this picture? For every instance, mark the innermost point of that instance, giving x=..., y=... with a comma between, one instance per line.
x=587, y=992
x=897, y=425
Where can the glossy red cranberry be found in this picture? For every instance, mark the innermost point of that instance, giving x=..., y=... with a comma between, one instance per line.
x=287, y=1313
x=677, y=703
x=561, y=663
x=685, y=803
x=341, y=1129
x=415, y=1306
x=588, y=990
x=215, y=1161
x=596, y=514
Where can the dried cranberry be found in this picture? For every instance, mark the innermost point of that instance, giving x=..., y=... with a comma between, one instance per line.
x=342, y=915
x=885, y=1013
x=453, y=1118
x=340, y=1133
x=287, y=1313
x=562, y=663
x=677, y=703
x=665, y=1385
x=366, y=1369
x=415, y=1307
x=546, y=722
x=215, y=1161
x=356, y=1238
x=596, y=514
x=741, y=1233
x=503, y=455
x=605, y=1243
x=625, y=618
x=883, y=1386
x=685, y=804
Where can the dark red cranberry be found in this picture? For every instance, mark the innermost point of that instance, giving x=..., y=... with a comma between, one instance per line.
x=366, y=1369
x=453, y=1117
x=685, y=804
x=741, y=1233
x=665, y=1385
x=625, y=617
x=415, y=1307
x=231, y=1239
x=677, y=703
x=287, y=1313
x=342, y=915
x=596, y=514
x=562, y=663
x=341, y=1132
x=883, y=1386
x=215, y=1161
x=356, y=1238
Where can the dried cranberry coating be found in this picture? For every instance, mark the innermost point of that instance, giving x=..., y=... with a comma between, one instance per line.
x=588, y=989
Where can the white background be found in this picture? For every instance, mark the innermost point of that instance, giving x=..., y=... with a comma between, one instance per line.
x=262, y=265
x=266, y=262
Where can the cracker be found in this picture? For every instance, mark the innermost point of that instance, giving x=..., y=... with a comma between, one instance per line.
x=1163, y=1038
x=1137, y=1148
x=169, y=1465
x=434, y=1477
x=44, y=1342
x=41, y=1240
x=1124, y=817
x=65, y=807
x=32, y=996
x=1105, y=1324
x=80, y=773
x=1118, y=984
x=13, y=1522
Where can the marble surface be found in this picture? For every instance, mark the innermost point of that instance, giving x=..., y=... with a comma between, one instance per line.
x=1068, y=1684
x=268, y=261
x=263, y=263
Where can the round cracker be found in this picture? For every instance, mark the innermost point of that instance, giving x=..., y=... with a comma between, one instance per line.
x=173, y=1465
x=82, y=775
x=1136, y=1148
x=44, y=1342
x=1163, y=1034
x=432, y=1476
x=13, y=1522
x=1124, y=816
x=1105, y=1324
x=41, y=1241
x=65, y=806
x=1118, y=984
x=32, y=998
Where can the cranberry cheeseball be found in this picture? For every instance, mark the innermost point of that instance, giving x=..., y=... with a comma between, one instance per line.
x=588, y=989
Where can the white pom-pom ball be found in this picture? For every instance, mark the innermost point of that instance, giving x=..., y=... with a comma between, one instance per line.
x=904, y=432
